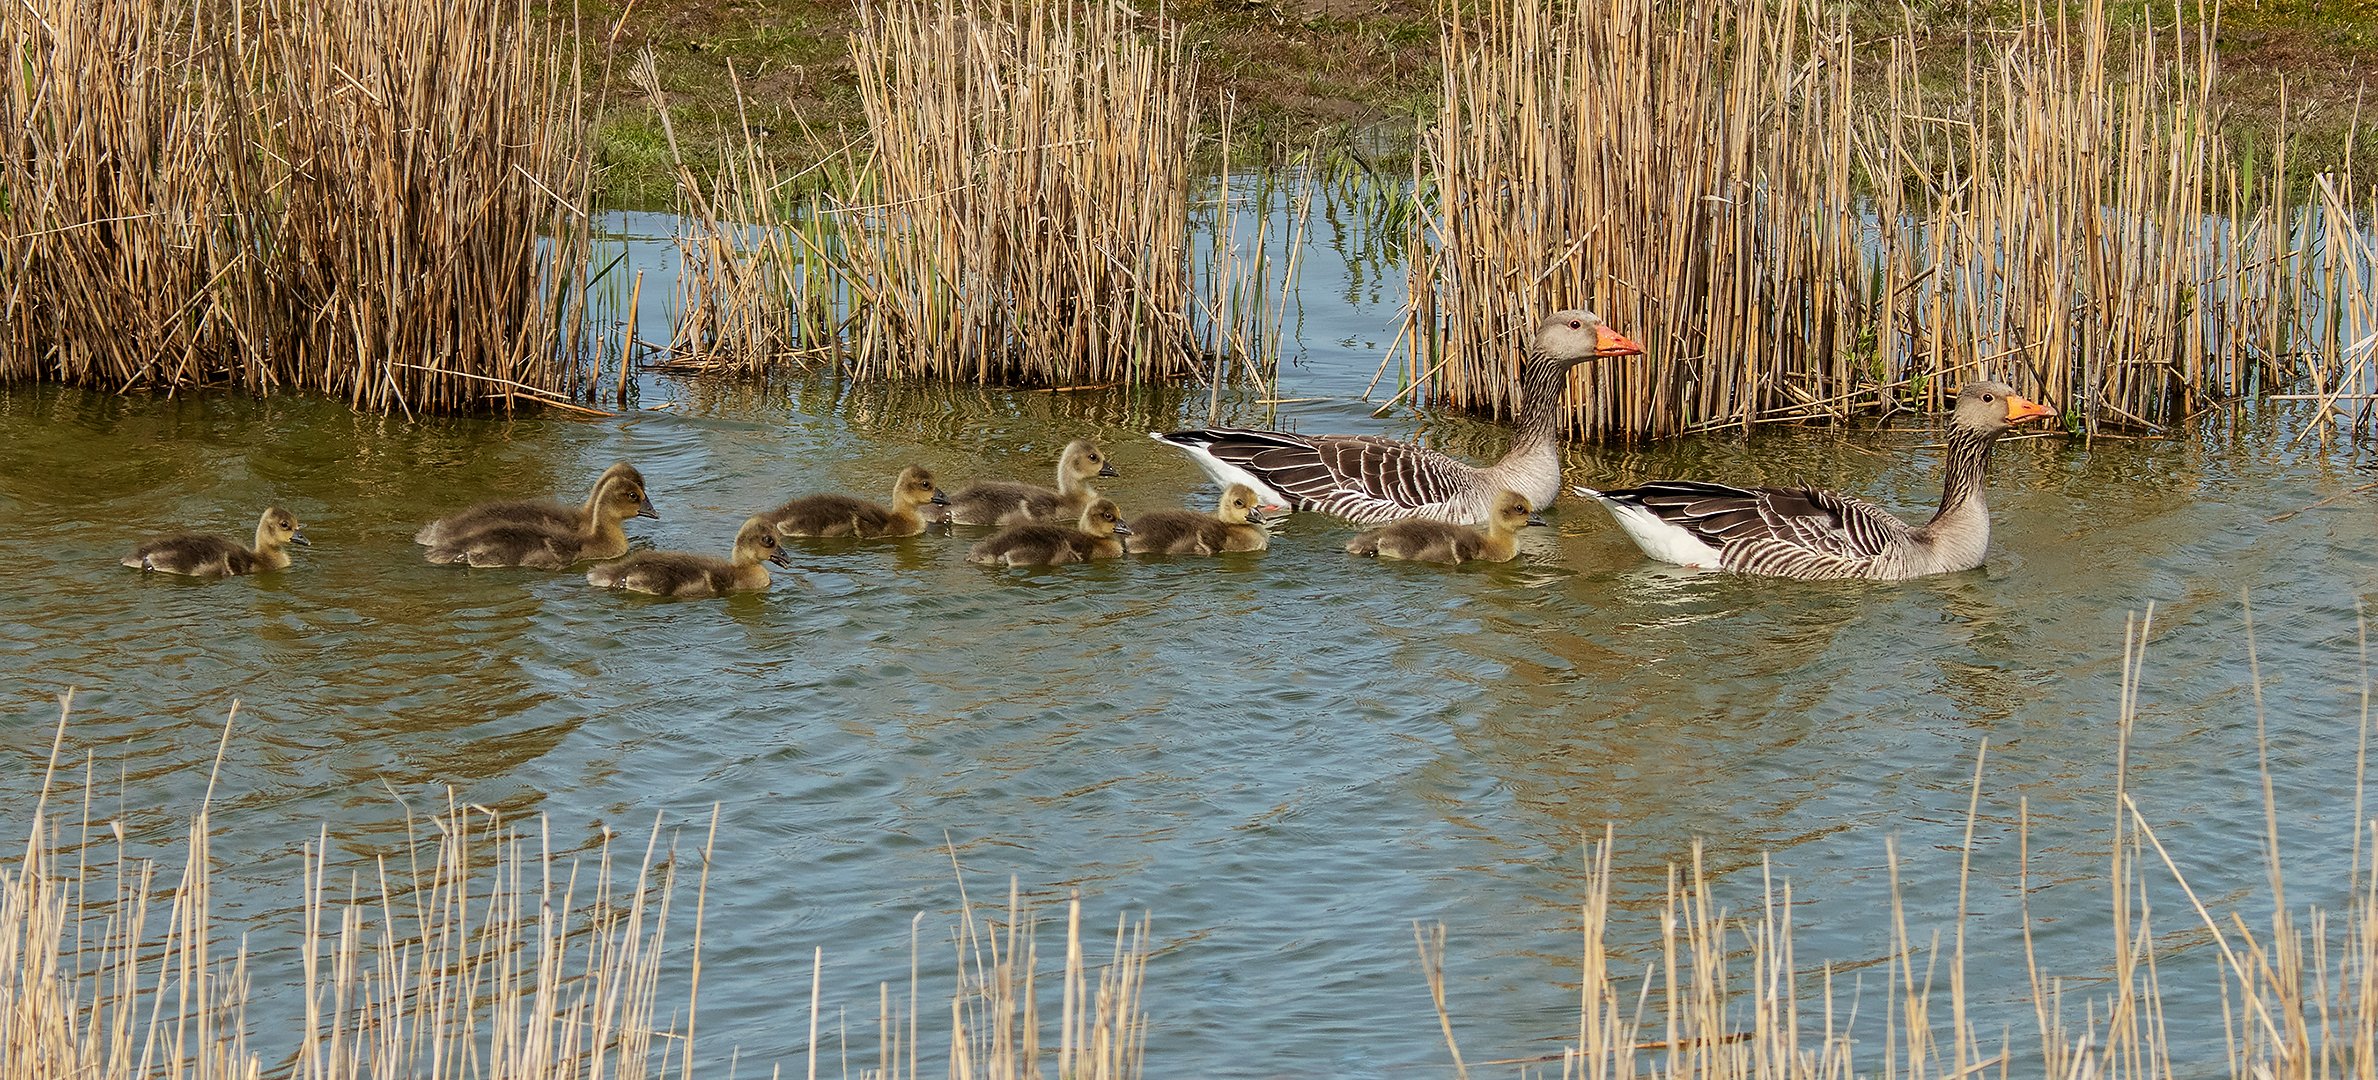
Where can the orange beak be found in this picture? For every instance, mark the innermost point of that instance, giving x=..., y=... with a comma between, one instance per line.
x=1608, y=342
x=2020, y=408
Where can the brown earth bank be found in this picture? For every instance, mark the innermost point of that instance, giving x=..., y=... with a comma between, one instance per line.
x=1329, y=70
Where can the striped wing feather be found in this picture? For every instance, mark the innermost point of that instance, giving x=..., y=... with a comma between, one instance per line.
x=1360, y=477
x=1825, y=529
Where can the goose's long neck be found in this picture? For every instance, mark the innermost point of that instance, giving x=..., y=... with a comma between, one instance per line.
x=1538, y=416
x=1964, y=512
x=1532, y=466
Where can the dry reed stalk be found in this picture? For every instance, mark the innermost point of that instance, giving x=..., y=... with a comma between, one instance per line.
x=1729, y=184
x=1725, y=996
x=479, y=952
x=1029, y=215
x=380, y=200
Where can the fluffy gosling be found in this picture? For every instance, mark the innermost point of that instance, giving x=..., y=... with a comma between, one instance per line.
x=1011, y=502
x=544, y=514
x=841, y=515
x=1438, y=542
x=1235, y=525
x=195, y=555
x=1090, y=537
x=677, y=573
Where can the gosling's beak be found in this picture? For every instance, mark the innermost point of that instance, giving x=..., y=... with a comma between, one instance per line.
x=1538, y=519
x=298, y=538
x=644, y=509
x=1267, y=512
x=1122, y=529
x=1610, y=342
x=2020, y=408
x=781, y=559
x=1108, y=470
x=940, y=499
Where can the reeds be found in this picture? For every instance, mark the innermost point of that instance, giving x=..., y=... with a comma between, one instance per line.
x=1019, y=212
x=1724, y=994
x=476, y=949
x=1799, y=228
x=381, y=200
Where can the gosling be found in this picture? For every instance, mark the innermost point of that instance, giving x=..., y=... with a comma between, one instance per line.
x=1439, y=542
x=544, y=514
x=212, y=556
x=545, y=544
x=677, y=573
x=841, y=515
x=1235, y=525
x=1010, y=502
x=1091, y=537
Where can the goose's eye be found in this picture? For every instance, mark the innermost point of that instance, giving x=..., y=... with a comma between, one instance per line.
x=1576, y=324
x=1989, y=397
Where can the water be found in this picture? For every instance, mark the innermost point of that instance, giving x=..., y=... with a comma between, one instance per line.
x=1287, y=758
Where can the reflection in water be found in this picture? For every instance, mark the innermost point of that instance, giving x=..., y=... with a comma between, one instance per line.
x=1285, y=757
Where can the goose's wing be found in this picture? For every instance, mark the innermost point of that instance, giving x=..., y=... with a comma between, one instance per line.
x=1359, y=477
x=1821, y=523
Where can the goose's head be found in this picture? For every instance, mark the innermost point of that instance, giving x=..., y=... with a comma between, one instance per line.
x=1992, y=407
x=1240, y=505
x=1083, y=459
x=1575, y=336
x=757, y=541
x=620, y=497
x=1101, y=519
x=916, y=488
x=279, y=528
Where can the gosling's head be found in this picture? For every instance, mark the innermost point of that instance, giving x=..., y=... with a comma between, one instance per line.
x=1576, y=336
x=916, y=488
x=279, y=528
x=756, y=541
x=620, y=497
x=1992, y=407
x=621, y=471
x=1083, y=459
x=1511, y=513
x=1241, y=505
x=1100, y=518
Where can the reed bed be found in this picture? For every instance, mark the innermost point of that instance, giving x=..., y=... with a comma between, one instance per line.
x=1799, y=227
x=1019, y=212
x=382, y=200
x=478, y=949
x=1725, y=995
x=482, y=950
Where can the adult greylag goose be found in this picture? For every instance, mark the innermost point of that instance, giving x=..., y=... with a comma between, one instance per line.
x=543, y=543
x=544, y=514
x=1235, y=525
x=678, y=573
x=1368, y=480
x=1010, y=502
x=1423, y=540
x=1811, y=534
x=195, y=555
x=841, y=515
x=1090, y=537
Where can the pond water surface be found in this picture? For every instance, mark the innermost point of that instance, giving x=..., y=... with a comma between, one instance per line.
x=1286, y=759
